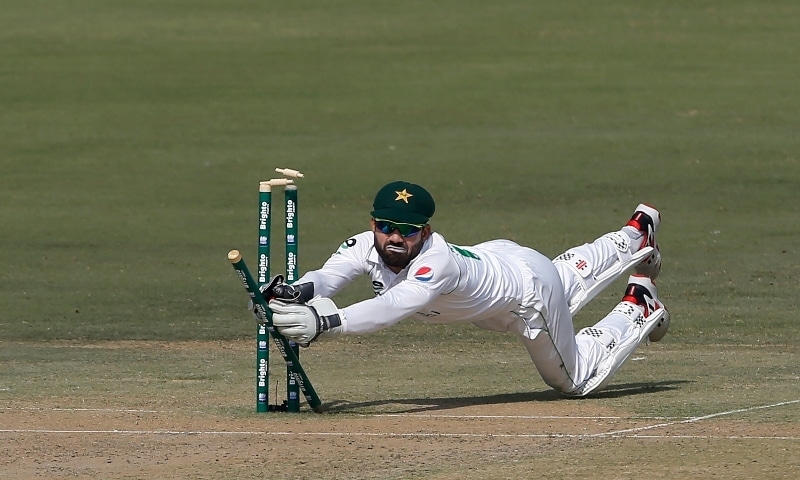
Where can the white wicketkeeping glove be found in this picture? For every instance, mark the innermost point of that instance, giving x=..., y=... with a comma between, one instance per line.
x=276, y=288
x=303, y=323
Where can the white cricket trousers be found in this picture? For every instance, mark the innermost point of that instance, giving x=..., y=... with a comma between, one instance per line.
x=566, y=360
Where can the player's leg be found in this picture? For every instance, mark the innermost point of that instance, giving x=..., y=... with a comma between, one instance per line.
x=639, y=315
x=587, y=269
x=547, y=330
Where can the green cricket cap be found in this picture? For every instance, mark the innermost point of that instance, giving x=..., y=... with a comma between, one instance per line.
x=403, y=202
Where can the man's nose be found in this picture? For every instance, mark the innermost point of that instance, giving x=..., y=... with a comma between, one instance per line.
x=395, y=236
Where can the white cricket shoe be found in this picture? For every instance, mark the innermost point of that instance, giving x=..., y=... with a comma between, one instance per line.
x=643, y=292
x=640, y=304
x=647, y=219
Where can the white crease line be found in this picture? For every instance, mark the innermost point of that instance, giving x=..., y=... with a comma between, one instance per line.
x=617, y=433
x=389, y=435
x=728, y=437
x=520, y=417
x=111, y=410
x=694, y=419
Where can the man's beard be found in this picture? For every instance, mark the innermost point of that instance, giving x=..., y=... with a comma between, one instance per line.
x=398, y=259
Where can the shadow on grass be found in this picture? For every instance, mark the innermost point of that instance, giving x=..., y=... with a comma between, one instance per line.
x=627, y=389
x=414, y=405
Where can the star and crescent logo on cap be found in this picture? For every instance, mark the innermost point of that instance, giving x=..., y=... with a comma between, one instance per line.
x=403, y=195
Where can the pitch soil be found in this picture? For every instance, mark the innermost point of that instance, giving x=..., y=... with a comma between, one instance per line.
x=102, y=438
x=457, y=443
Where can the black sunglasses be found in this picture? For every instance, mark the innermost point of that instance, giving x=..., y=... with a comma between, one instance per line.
x=406, y=229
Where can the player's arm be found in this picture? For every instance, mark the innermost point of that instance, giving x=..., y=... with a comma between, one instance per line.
x=430, y=275
x=338, y=271
x=344, y=266
x=305, y=322
x=377, y=313
x=394, y=304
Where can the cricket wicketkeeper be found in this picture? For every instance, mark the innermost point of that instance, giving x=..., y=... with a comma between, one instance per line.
x=497, y=285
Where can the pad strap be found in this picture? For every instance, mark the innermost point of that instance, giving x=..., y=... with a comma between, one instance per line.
x=605, y=338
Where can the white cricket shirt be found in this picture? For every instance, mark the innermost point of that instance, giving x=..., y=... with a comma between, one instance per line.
x=445, y=283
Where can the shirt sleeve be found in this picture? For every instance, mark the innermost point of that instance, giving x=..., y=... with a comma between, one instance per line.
x=430, y=275
x=344, y=266
x=399, y=302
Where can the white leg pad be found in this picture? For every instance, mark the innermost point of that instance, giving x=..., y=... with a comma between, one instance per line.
x=618, y=353
x=576, y=262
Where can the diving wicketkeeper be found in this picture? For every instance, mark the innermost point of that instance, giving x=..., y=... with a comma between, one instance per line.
x=497, y=285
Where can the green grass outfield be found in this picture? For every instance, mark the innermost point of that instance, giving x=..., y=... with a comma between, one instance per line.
x=133, y=135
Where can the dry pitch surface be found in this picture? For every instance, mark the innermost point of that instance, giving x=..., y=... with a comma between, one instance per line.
x=97, y=437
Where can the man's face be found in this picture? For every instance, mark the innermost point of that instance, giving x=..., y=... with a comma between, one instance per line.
x=397, y=250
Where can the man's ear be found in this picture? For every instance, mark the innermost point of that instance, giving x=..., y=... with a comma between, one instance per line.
x=426, y=232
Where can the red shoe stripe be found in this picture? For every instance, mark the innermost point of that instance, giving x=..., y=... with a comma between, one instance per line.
x=635, y=224
x=630, y=298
